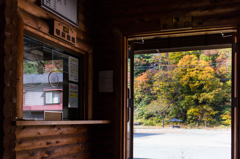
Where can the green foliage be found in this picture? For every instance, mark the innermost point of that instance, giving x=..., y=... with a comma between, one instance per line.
x=30, y=67
x=194, y=86
x=142, y=60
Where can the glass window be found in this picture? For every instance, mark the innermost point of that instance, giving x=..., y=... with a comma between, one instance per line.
x=46, y=81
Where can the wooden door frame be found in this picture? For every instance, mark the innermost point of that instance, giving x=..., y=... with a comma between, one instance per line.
x=123, y=147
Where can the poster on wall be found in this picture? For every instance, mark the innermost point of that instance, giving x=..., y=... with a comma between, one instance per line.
x=73, y=69
x=73, y=96
x=66, y=9
x=106, y=81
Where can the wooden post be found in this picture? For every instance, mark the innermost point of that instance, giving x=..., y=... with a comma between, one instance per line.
x=9, y=67
x=90, y=84
x=19, y=85
x=2, y=39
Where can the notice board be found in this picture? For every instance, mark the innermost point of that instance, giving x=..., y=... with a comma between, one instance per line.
x=66, y=9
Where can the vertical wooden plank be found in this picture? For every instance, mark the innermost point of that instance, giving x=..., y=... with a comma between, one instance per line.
x=125, y=96
x=85, y=87
x=237, y=94
x=234, y=95
x=118, y=90
x=2, y=71
x=19, y=86
x=131, y=95
x=90, y=84
x=9, y=67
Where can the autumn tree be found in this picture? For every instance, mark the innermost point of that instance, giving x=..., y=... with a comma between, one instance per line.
x=192, y=89
x=193, y=86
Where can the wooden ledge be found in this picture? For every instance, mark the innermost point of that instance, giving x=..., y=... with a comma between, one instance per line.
x=73, y=122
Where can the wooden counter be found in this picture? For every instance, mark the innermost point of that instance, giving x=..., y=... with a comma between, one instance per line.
x=73, y=122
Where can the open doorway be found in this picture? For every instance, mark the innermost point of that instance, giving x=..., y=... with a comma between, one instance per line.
x=182, y=105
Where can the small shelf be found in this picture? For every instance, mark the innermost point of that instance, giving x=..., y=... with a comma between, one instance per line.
x=76, y=122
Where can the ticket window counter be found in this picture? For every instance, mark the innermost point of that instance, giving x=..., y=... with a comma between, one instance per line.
x=52, y=81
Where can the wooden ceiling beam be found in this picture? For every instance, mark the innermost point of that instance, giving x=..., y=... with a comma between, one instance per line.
x=195, y=12
x=129, y=8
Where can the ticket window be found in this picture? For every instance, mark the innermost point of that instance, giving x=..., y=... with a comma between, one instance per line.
x=51, y=81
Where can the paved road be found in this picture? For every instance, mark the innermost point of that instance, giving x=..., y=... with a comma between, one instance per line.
x=182, y=144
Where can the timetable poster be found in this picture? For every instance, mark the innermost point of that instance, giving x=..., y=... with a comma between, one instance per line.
x=106, y=81
x=73, y=69
x=73, y=95
x=65, y=8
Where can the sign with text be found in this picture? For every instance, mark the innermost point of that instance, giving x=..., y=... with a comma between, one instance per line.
x=73, y=69
x=65, y=32
x=66, y=9
x=106, y=81
x=176, y=21
x=73, y=95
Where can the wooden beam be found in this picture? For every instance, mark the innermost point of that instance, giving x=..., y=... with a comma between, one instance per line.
x=155, y=14
x=49, y=130
x=141, y=6
x=52, y=39
x=19, y=75
x=78, y=155
x=34, y=21
x=49, y=141
x=74, y=122
x=56, y=151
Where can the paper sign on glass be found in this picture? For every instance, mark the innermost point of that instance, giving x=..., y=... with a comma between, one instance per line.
x=73, y=95
x=73, y=69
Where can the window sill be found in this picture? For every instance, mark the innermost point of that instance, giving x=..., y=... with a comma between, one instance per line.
x=73, y=122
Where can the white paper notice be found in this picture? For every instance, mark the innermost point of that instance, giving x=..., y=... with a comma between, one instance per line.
x=73, y=95
x=73, y=69
x=66, y=8
x=106, y=81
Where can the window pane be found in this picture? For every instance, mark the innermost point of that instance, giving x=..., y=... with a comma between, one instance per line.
x=46, y=81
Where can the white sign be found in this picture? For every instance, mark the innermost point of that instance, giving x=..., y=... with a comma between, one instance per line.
x=73, y=69
x=73, y=95
x=106, y=81
x=67, y=9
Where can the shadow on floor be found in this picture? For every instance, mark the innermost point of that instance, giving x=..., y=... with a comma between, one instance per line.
x=137, y=135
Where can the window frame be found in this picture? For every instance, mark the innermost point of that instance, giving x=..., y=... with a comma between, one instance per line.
x=83, y=57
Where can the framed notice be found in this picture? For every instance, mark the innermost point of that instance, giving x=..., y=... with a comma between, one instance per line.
x=106, y=81
x=73, y=69
x=66, y=9
x=73, y=95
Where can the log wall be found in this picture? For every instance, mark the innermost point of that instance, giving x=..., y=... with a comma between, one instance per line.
x=65, y=141
x=2, y=70
x=17, y=17
x=8, y=80
x=137, y=18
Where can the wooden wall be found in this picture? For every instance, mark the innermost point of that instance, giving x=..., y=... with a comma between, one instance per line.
x=8, y=80
x=102, y=24
x=2, y=70
x=55, y=142
x=17, y=16
x=135, y=18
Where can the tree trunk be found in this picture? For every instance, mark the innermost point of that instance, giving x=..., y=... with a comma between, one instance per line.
x=163, y=122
